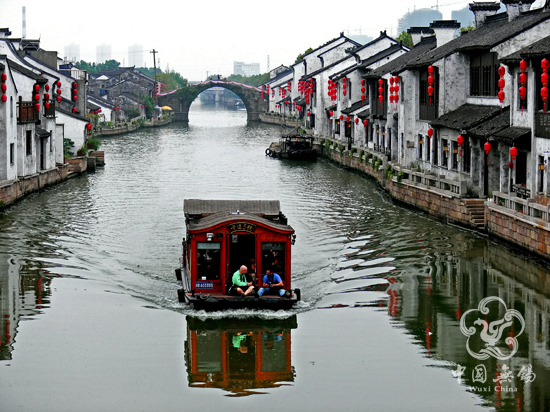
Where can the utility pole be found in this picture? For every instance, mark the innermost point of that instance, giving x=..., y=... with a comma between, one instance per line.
x=155, y=66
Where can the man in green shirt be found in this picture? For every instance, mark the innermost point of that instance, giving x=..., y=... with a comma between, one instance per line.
x=240, y=283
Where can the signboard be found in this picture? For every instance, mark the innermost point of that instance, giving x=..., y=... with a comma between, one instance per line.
x=542, y=125
x=204, y=285
x=241, y=227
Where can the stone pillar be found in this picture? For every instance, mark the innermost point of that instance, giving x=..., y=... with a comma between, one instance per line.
x=504, y=170
x=182, y=116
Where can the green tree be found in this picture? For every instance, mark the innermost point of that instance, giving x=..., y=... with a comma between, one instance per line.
x=406, y=39
x=256, y=80
x=301, y=55
x=469, y=28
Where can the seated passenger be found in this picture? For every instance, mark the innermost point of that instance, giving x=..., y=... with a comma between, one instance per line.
x=273, y=284
x=241, y=286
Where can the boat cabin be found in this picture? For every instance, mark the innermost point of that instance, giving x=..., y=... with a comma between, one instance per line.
x=223, y=235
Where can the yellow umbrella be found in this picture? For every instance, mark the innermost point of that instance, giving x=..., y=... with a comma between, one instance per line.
x=166, y=108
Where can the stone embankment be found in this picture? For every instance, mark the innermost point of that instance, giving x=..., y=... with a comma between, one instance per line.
x=521, y=222
x=282, y=120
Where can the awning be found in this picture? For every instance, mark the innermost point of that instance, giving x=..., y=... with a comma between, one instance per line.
x=43, y=134
x=466, y=116
x=355, y=106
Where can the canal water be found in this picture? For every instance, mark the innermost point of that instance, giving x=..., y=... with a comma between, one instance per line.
x=392, y=314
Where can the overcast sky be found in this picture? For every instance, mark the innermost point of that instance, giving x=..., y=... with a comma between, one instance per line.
x=194, y=37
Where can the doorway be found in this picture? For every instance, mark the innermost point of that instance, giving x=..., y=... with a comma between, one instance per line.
x=242, y=251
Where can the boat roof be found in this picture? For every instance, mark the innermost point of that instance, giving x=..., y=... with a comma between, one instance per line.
x=220, y=218
x=205, y=207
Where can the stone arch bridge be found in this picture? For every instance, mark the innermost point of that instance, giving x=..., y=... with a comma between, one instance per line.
x=180, y=102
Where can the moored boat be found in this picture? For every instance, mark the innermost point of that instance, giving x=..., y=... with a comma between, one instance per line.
x=293, y=147
x=222, y=236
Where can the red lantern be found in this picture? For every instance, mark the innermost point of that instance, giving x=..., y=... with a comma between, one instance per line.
x=396, y=88
x=47, y=96
x=391, y=80
x=36, y=97
x=4, y=98
x=36, y=87
x=501, y=83
x=37, y=106
x=75, y=98
x=522, y=92
x=513, y=152
x=4, y=87
x=380, y=90
x=430, y=132
x=75, y=91
x=523, y=65
x=47, y=104
x=430, y=79
x=74, y=109
x=363, y=89
x=4, y=77
x=544, y=94
x=523, y=78
x=430, y=69
x=363, y=82
x=544, y=78
x=59, y=99
x=356, y=120
x=47, y=87
x=380, y=82
x=501, y=71
x=362, y=97
x=510, y=165
x=344, y=80
x=391, y=98
x=308, y=114
x=341, y=117
x=58, y=91
x=487, y=148
x=58, y=84
x=460, y=140
x=380, y=99
x=365, y=122
x=75, y=84
x=331, y=113
x=89, y=126
x=501, y=96
x=347, y=118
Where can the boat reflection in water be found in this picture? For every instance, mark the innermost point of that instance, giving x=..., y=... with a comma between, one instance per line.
x=239, y=354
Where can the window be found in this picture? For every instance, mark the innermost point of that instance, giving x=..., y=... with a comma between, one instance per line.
x=484, y=74
x=349, y=90
x=445, y=159
x=29, y=142
x=420, y=143
x=208, y=260
x=337, y=126
x=454, y=158
x=11, y=107
x=428, y=105
x=428, y=148
x=12, y=153
x=273, y=258
x=522, y=103
x=436, y=148
x=51, y=142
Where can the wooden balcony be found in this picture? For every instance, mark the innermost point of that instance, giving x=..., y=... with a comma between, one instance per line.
x=26, y=112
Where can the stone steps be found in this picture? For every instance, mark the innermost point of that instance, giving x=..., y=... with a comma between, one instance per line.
x=476, y=209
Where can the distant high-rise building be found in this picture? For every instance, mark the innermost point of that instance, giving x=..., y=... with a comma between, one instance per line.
x=250, y=69
x=103, y=53
x=418, y=18
x=464, y=16
x=72, y=52
x=135, y=55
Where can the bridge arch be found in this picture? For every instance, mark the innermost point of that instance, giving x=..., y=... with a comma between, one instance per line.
x=254, y=101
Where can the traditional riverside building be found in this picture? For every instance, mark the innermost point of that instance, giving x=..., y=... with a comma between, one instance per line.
x=452, y=91
x=32, y=123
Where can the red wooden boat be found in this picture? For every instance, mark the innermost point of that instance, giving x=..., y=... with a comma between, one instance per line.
x=223, y=235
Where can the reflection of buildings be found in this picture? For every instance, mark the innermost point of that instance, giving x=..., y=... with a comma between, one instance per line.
x=431, y=302
x=21, y=294
x=239, y=354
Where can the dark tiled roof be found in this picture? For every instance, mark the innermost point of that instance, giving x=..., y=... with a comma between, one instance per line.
x=537, y=49
x=382, y=55
x=517, y=136
x=466, y=116
x=299, y=101
x=279, y=76
x=322, y=69
x=398, y=64
x=206, y=207
x=27, y=72
x=493, y=125
x=331, y=41
x=495, y=31
x=71, y=114
x=382, y=36
x=355, y=106
x=353, y=46
x=420, y=30
x=364, y=114
x=342, y=73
